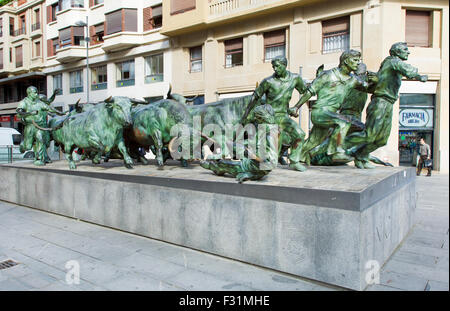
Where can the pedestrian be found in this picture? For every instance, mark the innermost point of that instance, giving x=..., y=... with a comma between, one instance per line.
x=424, y=157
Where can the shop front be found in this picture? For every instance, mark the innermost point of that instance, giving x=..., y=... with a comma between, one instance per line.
x=416, y=120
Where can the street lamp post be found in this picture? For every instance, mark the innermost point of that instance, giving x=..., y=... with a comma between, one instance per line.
x=86, y=39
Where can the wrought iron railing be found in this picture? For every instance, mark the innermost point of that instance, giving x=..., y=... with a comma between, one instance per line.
x=35, y=26
x=18, y=32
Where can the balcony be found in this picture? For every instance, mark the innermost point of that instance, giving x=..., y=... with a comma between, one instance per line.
x=121, y=41
x=36, y=30
x=217, y=12
x=70, y=54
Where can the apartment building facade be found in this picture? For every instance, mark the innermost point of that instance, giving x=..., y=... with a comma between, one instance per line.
x=22, y=37
x=222, y=48
x=127, y=54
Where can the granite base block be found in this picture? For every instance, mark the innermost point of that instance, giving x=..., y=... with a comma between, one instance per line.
x=334, y=225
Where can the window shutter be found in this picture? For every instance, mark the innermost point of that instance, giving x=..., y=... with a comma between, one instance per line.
x=114, y=22
x=233, y=44
x=91, y=32
x=1, y=58
x=78, y=31
x=180, y=6
x=418, y=28
x=157, y=11
x=148, y=19
x=19, y=59
x=275, y=37
x=49, y=47
x=49, y=14
x=130, y=20
x=65, y=34
x=340, y=24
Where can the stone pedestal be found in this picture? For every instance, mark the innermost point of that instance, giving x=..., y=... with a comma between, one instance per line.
x=328, y=224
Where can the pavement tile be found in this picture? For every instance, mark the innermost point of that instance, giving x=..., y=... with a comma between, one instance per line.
x=196, y=280
x=420, y=271
x=134, y=281
x=381, y=288
x=402, y=281
x=158, y=268
x=414, y=258
x=37, y=280
x=437, y=286
x=13, y=285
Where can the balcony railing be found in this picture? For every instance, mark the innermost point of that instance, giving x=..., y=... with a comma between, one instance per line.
x=336, y=42
x=99, y=86
x=223, y=7
x=36, y=26
x=18, y=32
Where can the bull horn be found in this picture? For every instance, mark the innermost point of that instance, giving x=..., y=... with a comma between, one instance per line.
x=170, y=91
x=109, y=99
x=257, y=84
x=192, y=99
x=41, y=128
x=171, y=145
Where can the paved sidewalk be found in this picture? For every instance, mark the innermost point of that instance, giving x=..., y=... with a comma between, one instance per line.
x=43, y=243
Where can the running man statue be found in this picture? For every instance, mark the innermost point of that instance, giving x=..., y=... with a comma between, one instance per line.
x=278, y=90
x=379, y=111
x=30, y=109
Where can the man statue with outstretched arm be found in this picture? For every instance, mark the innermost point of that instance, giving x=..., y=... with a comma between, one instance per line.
x=33, y=109
x=331, y=87
x=278, y=90
x=379, y=111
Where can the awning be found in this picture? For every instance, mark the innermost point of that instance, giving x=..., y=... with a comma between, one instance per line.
x=21, y=77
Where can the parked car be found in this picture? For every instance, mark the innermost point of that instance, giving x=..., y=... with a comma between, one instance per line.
x=9, y=141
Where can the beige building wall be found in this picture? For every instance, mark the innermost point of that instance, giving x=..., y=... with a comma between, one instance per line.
x=374, y=27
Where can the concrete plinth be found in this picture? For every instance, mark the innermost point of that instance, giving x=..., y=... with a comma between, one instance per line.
x=331, y=224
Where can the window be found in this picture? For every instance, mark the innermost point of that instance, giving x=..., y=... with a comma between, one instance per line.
x=99, y=78
x=37, y=49
x=71, y=36
x=154, y=68
x=95, y=2
x=274, y=44
x=57, y=82
x=67, y=4
x=1, y=58
x=196, y=59
x=97, y=32
x=19, y=56
x=11, y=26
x=180, y=6
x=51, y=12
x=1, y=27
x=76, y=81
x=234, y=54
x=418, y=28
x=37, y=20
x=55, y=45
x=125, y=73
x=152, y=17
x=336, y=35
x=22, y=25
x=121, y=20
x=157, y=16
